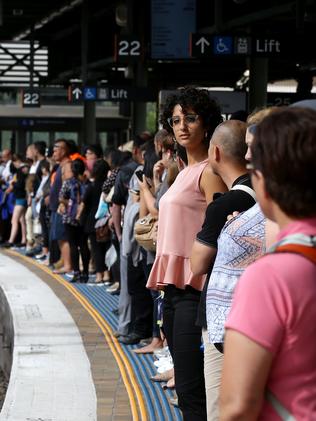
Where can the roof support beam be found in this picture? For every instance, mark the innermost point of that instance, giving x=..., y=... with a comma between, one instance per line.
x=55, y=14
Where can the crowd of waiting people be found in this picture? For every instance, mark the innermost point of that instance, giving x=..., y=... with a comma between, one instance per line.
x=228, y=283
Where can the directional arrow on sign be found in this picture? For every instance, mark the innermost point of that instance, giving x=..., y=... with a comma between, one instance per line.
x=200, y=45
x=77, y=93
x=202, y=42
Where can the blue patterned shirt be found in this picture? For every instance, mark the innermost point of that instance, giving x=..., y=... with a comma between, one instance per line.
x=240, y=243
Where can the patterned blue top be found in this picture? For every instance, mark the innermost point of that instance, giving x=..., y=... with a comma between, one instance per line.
x=240, y=243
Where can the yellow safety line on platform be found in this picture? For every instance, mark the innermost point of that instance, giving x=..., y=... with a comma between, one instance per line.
x=113, y=343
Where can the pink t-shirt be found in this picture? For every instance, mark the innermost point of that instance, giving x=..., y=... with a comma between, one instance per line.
x=181, y=215
x=275, y=306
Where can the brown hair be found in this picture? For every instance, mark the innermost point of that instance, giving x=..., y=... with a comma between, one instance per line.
x=30, y=183
x=284, y=150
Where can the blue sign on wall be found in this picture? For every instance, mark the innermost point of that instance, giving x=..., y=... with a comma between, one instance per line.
x=172, y=21
x=222, y=45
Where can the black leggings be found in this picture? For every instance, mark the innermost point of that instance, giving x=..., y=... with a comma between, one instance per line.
x=98, y=250
x=78, y=240
x=184, y=341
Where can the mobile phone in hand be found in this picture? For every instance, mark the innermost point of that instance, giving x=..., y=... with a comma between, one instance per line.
x=139, y=175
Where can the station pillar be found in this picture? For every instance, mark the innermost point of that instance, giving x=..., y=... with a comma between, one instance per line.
x=258, y=82
x=139, y=108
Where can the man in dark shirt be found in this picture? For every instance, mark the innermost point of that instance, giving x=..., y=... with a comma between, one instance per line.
x=227, y=158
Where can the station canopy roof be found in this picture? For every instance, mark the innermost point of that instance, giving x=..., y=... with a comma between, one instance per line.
x=57, y=25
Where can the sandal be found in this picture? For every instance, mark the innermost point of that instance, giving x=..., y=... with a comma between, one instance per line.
x=163, y=377
x=61, y=271
x=170, y=384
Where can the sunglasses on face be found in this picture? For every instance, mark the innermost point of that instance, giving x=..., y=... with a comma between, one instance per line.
x=188, y=119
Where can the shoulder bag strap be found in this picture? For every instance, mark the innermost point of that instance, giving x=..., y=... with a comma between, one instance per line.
x=306, y=251
x=283, y=413
x=246, y=189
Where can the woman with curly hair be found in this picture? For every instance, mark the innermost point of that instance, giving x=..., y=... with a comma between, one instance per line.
x=191, y=116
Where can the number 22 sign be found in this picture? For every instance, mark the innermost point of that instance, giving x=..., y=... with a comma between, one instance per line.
x=127, y=49
x=31, y=98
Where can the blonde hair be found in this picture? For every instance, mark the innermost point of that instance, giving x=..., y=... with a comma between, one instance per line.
x=259, y=114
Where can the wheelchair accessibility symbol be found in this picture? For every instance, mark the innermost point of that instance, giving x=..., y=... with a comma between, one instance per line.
x=223, y=45
x=90, y=93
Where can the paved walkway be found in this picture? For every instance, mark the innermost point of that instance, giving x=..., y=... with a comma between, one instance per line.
x=121, y=378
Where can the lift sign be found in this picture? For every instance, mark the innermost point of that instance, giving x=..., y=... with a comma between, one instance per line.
x=31, y=98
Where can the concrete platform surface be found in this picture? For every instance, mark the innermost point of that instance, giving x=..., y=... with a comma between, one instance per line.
x=51, y=376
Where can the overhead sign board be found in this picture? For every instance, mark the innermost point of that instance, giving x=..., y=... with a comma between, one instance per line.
x=172, y=21
x=77, y=94
x=205, y=46
x=127, y=49
x=31, y=98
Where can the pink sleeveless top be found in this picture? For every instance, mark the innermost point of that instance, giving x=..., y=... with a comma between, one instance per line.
x=181, y=215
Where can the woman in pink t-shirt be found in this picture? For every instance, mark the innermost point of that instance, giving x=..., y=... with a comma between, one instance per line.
x=191, y=116
x=270, y=345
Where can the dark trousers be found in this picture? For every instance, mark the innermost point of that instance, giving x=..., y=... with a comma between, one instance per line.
x=154, y=295
x=184, y=341
x=98, y=250
x=142, y=304
x=115, y=269
x=78, y=240
x=156, y=328
x=44, y=221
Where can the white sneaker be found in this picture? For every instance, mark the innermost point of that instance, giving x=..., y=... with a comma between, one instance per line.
x=163, y=352
x=113, y=287
x=161, y=361
x=165, y=367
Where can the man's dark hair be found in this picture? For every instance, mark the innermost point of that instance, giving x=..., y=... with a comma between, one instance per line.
x=200, y=102
x=77, y=167
x=284, y=150
x=40, y=147
x=141, y=138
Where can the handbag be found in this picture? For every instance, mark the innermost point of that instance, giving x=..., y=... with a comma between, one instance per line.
x=145, y=232
x=102, y=230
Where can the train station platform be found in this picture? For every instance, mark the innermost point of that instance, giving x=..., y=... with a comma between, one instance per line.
x=66, y=360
